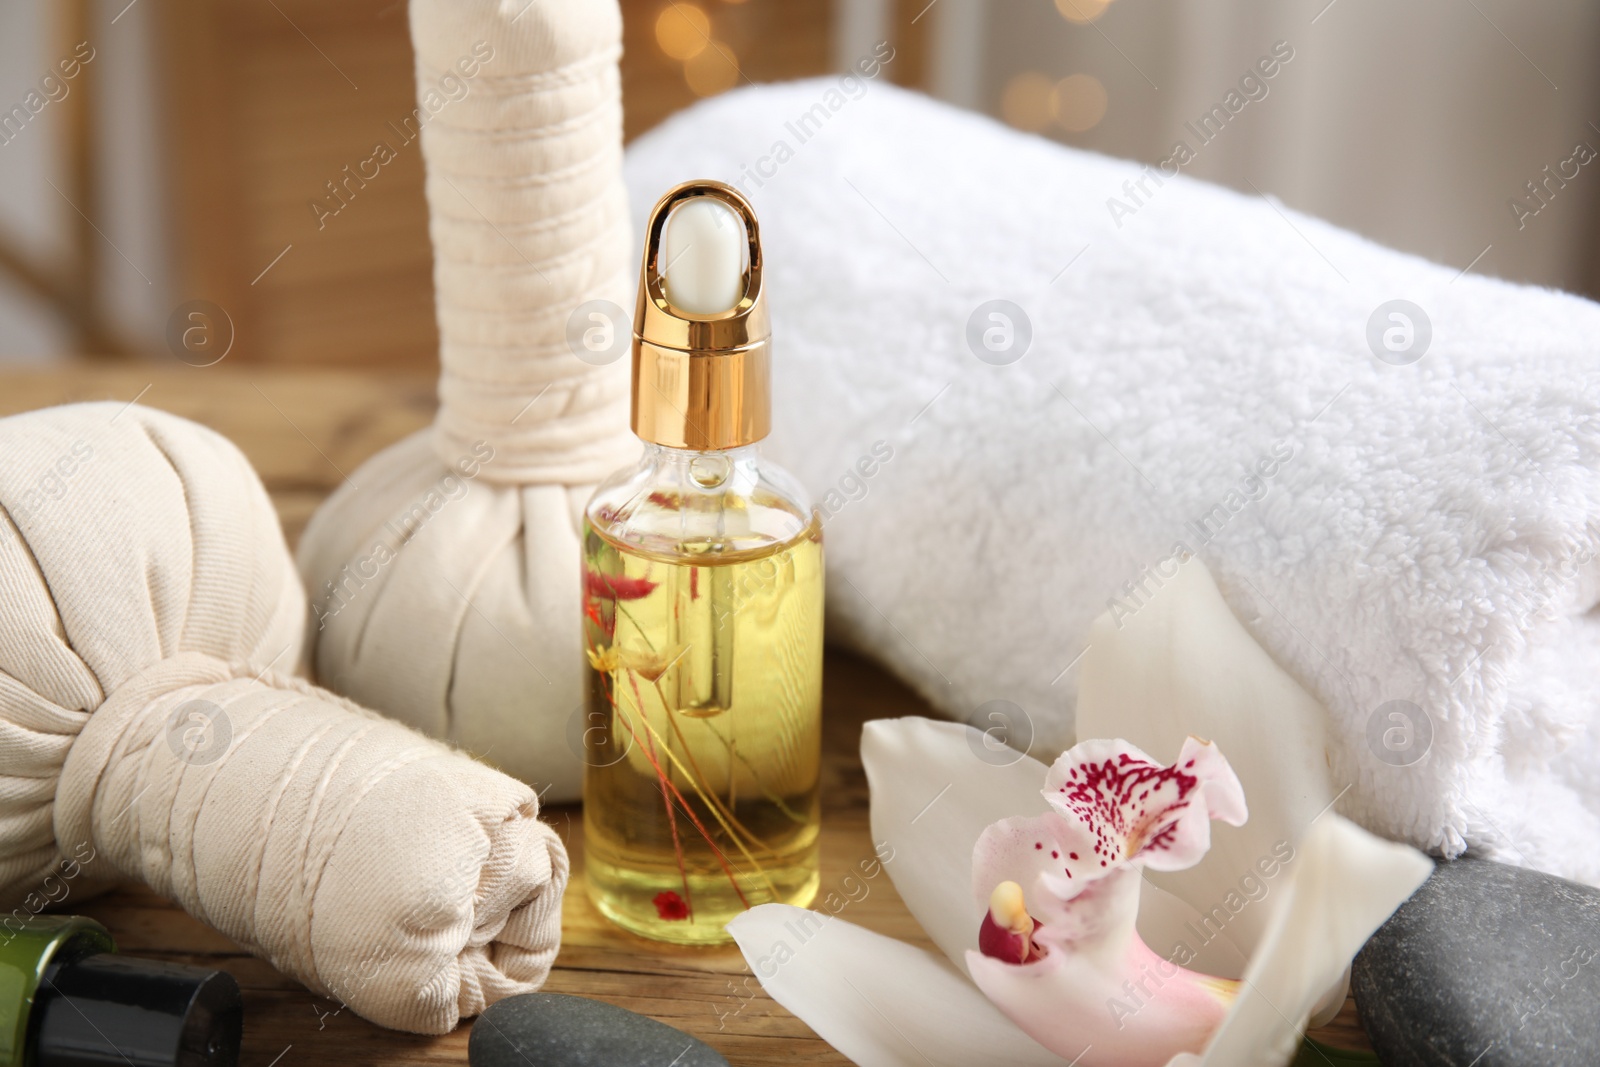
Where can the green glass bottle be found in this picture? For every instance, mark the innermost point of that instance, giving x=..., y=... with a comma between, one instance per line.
x=67, y=999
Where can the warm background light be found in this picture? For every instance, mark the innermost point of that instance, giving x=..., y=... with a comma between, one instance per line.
x=198, y=174
x=712, y=70
x=1078, y=102
x=1026, y=103
x=682, y=30
x=1081, y=10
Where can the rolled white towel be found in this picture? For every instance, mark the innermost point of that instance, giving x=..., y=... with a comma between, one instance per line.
x=1203, y=375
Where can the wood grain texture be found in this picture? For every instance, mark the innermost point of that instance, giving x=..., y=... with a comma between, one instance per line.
x=203, y=176
x=304, y=431
x=270, y=102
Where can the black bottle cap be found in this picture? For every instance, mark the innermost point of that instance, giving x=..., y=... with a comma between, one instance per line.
x=103, y=1009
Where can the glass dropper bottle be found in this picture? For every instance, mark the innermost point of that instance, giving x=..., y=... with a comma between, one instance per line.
x=702, y=605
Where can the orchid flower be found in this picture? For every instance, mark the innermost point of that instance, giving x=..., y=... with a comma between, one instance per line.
x=1062, y=892
x=1192, y=945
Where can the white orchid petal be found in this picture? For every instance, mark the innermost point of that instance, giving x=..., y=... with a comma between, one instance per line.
x=1345, y=883
x=879, y=1001
x=1332, y=1001
x=1167, y=922
x=1224, y=792
x=1182, y=664
x=932, y=796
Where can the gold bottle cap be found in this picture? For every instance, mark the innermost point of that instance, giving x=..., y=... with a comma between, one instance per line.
x=701, y=382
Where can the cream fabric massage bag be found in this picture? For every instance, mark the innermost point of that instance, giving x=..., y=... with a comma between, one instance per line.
x=446, y=585
x=149, y=610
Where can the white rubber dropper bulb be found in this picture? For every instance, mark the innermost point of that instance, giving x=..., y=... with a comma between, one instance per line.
x=702, y=257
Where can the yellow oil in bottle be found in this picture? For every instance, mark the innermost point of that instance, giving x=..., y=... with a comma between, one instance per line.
x=703, y=742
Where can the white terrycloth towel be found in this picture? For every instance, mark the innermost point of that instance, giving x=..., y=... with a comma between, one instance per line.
x=1199, y=379
x=145, y=595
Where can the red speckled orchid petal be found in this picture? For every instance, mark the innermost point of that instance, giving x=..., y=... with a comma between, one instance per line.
x=1041, y=855
x=1224, y=793
x=1135, y=809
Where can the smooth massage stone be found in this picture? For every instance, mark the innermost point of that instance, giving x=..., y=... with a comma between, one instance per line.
x=551, y=1030
x=1486, y=965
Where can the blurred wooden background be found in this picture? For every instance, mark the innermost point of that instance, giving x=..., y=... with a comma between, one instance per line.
x=359, y=291
x=184, y=161
x=268, y=102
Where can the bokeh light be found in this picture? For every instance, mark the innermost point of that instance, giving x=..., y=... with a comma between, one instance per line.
x=712, y=70
x=1026, y=103
x=1081, y=10
x=683, y=30
x=1078, y=102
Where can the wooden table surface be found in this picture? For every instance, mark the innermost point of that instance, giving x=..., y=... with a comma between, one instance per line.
x=301, y=429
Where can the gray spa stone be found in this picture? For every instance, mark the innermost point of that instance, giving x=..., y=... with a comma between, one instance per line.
x=551, y=1030
x=1487, y=965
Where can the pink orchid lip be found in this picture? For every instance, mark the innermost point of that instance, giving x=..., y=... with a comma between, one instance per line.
x=1058, y=951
